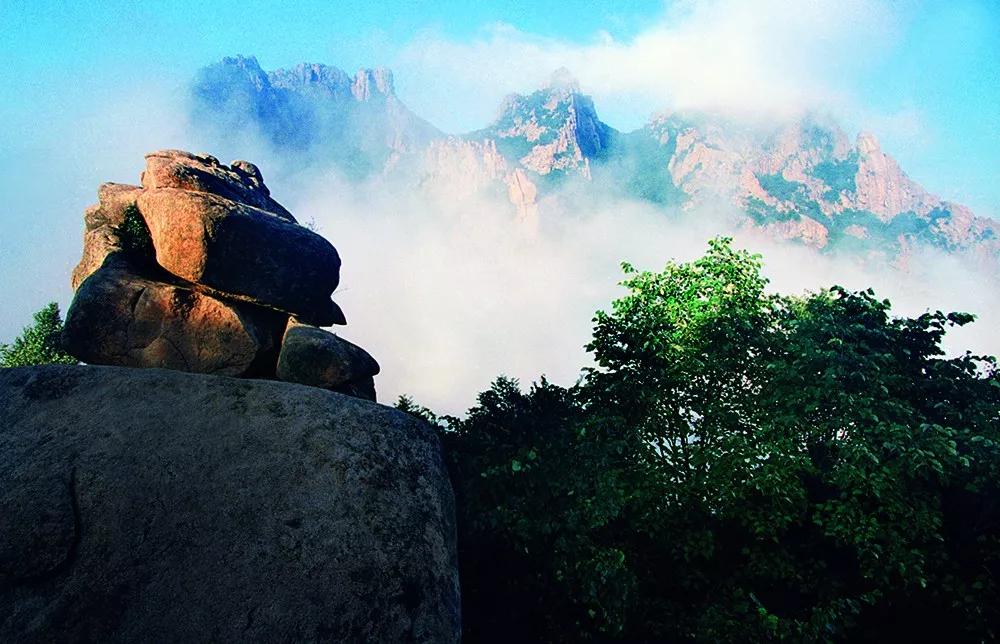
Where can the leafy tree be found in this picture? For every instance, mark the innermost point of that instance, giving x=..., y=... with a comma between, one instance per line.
x=537, y=492
x=737, y=466
x=133, y=234
x=406, y=404
x=38, y=343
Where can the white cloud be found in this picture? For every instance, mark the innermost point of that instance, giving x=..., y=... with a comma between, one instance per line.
x=447, y=292
x=764, y=58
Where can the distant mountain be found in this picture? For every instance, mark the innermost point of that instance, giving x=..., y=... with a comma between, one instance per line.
x=534, y=141
x=553, y=129
x=804, y=181
x=313, y=110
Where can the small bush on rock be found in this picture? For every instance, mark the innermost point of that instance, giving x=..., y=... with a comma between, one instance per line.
x=134, y=234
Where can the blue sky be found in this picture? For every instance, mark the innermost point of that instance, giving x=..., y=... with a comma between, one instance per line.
x=89, y=86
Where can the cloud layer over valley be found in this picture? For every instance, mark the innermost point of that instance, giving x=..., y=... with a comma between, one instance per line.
x=446, y=286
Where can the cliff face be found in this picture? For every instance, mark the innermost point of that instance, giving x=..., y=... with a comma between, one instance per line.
x=804, y=181
x=553, y=129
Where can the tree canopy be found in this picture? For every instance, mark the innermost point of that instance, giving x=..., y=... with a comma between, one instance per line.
x=736, y=465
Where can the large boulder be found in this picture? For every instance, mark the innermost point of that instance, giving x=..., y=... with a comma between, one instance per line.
x=315, y=357
x=241, y=181
x=122, y=317
x=243, y=251
x=144, y=505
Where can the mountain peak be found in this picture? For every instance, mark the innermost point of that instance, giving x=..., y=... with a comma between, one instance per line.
x=241, y=61
x=555, y=128
x=373, y=82
x=867, y=143
x=563, y=80
x=310, y=75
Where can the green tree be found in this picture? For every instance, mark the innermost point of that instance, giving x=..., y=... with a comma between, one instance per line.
x=38, y=343
x=681, y=366
x=406, y=404
x=538, y=494
x=737, y=466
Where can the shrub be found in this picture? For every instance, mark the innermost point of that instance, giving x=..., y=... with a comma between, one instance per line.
x=134, y=234
x=39, y=343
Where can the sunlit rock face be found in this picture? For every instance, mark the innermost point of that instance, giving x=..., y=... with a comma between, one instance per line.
x=199, y=269
x=553, y=129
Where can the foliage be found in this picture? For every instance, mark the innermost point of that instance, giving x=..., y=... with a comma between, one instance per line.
x=888, y=234
x=406, y=404
x=134, y=234
x=640, y=157
x=792, y=193
x=763, y=213
x=38, y=343
x=778, y=186
x=539, y=492
x=737, y=466
x=839, y=175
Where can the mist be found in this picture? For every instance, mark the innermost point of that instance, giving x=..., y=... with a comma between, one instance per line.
x=448, y=291
x=445, y=289
x=762, y=60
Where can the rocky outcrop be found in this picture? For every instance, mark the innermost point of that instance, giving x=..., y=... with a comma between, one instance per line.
x=241, y=182
x=152, y=505
x=120, y=317
x=199, y=270
x=881, y=186
x=373, y=82
x=242, y=252
x=315, y=357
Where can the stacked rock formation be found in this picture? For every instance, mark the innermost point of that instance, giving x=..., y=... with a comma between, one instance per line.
x=200, y=270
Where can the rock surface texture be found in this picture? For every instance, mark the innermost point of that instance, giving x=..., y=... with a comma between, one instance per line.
x=199, y=269
x=242, y=251
x=152, y=505
x=315, y=357
x=119, y=317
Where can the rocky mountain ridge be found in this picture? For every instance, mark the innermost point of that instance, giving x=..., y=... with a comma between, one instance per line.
x=803, y=181
x=317, y=111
